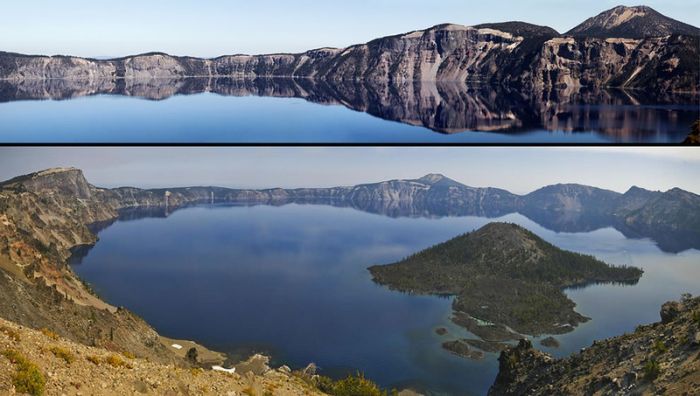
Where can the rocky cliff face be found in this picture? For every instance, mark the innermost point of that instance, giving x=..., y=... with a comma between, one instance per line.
x=516, y=54
x=661, y=358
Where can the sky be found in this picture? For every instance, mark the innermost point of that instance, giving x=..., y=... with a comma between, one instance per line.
x=517, y=169
x=208, y=28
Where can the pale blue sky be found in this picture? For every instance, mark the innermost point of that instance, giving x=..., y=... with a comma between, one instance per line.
x=210, y=28
x=517, y=169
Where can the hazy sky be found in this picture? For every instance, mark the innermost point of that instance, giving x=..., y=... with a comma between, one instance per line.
x=215, y=27
x=519, y=170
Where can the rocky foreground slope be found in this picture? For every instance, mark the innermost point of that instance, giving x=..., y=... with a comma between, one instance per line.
x=52, y=365
x=661, y=358
x=621, y=53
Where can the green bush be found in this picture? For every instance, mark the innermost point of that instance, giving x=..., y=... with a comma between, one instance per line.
x=352, y=385
x=63, y=353
x=27, y=378
x=660, y=347
x=651, y=369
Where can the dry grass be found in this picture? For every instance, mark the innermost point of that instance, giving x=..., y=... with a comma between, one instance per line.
x=12, y=333
x=62, y=353
x=51, y=334
x=93, y=359
x=116, y=361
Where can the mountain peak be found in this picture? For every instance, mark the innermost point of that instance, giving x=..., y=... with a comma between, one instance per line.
x=436, y=179
x=635, y=22
x=432, y=178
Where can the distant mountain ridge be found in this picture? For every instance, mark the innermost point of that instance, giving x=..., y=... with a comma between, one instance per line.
x=672, y=218
x=511, y=53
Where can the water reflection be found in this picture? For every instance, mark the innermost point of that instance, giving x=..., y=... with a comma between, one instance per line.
x=444, y=107
x=557, y=221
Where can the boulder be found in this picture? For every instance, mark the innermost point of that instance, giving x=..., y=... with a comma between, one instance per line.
x=670, y=311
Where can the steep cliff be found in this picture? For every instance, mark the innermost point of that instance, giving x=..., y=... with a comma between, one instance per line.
x=513, y=53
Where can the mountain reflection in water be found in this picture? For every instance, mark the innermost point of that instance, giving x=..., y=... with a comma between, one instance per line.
x=444, y=107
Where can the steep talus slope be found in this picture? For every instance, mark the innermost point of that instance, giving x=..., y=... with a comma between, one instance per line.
x=660, y=358
x=661, y=58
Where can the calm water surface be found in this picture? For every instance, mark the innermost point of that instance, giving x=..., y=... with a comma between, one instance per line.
x=304, y=111
x=292, y=281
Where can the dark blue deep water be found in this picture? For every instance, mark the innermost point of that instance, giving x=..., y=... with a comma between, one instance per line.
x=291, y=281
x=290, y=111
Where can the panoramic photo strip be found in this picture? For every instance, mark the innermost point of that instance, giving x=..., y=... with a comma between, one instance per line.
x=129, y=270
x=454, y=73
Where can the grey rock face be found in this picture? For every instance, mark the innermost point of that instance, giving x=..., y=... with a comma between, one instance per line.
x=514, y=53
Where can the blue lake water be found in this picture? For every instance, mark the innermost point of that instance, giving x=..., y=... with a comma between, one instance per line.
x=292, y=112
x=291, y=281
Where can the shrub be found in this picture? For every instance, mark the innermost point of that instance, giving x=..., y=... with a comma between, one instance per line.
x=696, y=317
x=128, y=355
x=660, y=347
x=352, y=385
x=10, y=332
x=191, y=355
x=116, y=361
x=52, y=335
x=651, y=369
x=27, y=377
x=248, y=391
x=93, y=359
x=63, y=353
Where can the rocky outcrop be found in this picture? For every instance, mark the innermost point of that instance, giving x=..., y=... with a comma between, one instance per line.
x=660, y=358
x=512, y=54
